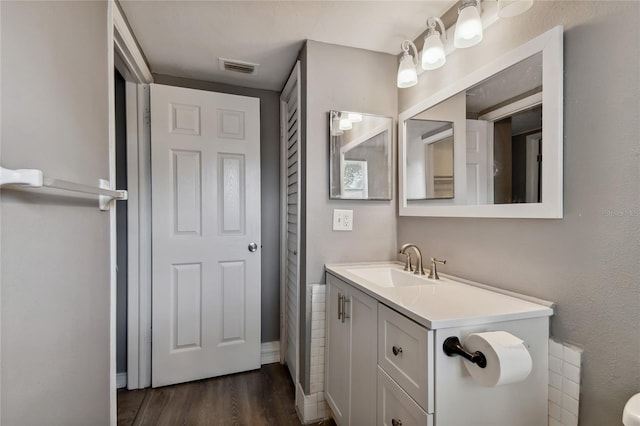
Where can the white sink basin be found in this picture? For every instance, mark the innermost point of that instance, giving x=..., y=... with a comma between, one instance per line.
x=389, y=276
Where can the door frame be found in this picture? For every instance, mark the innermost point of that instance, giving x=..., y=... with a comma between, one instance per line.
x=125, y=54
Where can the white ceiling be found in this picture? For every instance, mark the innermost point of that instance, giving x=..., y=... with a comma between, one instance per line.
x=185, y=38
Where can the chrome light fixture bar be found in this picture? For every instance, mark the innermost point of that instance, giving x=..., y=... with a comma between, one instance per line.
x=468, y=32
x=510, y=8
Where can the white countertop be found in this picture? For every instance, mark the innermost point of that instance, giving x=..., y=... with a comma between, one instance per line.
x=444, y=303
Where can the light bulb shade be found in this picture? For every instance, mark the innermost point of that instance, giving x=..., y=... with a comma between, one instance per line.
x=407, y=74
x=510, y=8
x=433, y=52
x=468, y=27
x=354, y=117
x=345, y=124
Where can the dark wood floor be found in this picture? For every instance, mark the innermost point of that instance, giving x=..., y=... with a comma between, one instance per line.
x=255, y=398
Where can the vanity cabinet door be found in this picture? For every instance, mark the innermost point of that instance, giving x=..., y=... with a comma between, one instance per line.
x=351, y=354
x=364, y=359
x=337, y=353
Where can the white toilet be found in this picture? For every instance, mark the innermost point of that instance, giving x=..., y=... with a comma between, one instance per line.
x=631, y=413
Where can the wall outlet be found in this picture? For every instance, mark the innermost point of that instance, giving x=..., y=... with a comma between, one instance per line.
x=342, y=220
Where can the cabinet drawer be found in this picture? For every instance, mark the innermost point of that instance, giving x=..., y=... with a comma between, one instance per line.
x=395, y=406
x=405, y=353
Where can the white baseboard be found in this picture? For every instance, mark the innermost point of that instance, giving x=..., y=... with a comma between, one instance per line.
x=311, y=408
x=269, y=352
x=121, y=380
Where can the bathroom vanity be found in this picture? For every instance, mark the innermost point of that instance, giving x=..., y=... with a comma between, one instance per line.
x=385, y=362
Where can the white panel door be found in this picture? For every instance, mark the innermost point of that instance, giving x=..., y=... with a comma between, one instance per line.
x=205, y=170
x=479, y=163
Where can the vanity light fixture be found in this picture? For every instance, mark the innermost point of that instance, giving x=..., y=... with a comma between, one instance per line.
x=433, y=55
x=345, y=124
x=407, y=74
x=510, y=8
x=469, y=25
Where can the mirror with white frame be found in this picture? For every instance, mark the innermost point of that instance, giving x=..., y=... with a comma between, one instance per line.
x=506, y=118
x=360, y=156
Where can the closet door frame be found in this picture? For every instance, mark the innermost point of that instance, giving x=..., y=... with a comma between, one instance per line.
x=126, y=56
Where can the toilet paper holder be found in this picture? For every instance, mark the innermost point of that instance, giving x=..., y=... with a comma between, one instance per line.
x=452, y=347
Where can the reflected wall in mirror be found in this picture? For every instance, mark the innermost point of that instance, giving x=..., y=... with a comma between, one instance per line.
x=429, y=159
x=501, y=113
x=360, y=156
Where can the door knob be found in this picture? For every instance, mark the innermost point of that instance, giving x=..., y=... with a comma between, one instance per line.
x=253, y=247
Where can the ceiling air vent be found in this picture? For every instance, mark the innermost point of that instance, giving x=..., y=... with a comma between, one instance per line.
x=246, y=68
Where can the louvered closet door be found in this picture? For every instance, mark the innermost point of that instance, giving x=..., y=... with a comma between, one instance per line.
x=291, y=131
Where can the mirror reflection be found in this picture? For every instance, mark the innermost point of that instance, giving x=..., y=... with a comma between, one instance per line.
x=499, y=129
x=429, y=159
x=360, y=156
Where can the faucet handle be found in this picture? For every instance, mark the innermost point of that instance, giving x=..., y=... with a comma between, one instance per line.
x=433, y=273
x=407, y=263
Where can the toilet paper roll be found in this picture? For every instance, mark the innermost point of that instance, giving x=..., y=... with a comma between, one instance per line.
x=508, y=360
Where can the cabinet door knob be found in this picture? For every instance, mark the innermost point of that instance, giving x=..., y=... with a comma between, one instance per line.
x=396, y=351
x=395, y=422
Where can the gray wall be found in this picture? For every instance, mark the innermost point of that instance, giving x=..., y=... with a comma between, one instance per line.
x=270, y=191
x=55, y=249
x=343, y=79
x=588, y=261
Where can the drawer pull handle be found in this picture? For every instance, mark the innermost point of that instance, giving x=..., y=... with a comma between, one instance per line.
x=396, y=351
x=395, y=422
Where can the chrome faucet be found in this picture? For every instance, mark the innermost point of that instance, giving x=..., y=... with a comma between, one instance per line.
x=433, y=273
x=403, y=250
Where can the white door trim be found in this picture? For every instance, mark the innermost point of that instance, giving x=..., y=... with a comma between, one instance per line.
x=125, y=45
x=139, y=237
x=125, y=54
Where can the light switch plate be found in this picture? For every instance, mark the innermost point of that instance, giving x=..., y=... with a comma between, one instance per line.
x=342, y=220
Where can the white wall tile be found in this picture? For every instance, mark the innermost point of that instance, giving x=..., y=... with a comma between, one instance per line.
x=555, y=364
x=555, y=349
x=555, y=396
x=554, y=422
x=311, y=411
x=555, y=380
x=564, y=384
x=315, y=407
x=571, y=372
x=570, y=404
x=572, y=355
x=322, y=410
x=569, y=419
x=571, y=388
x=555, y=411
